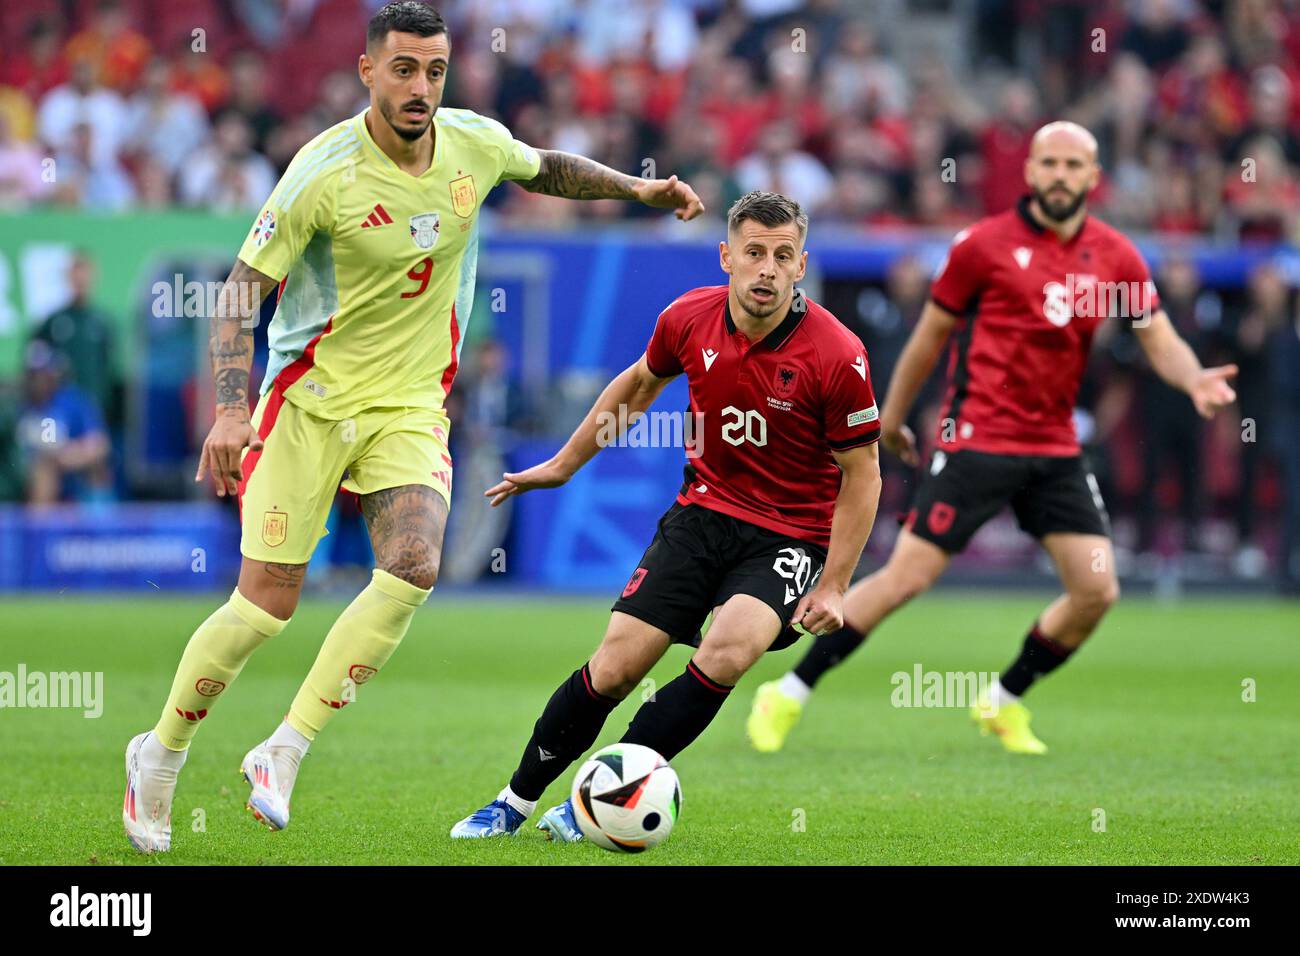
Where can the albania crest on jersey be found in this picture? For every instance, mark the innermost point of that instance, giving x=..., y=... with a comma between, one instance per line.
x=424, y=229
x=786, y=377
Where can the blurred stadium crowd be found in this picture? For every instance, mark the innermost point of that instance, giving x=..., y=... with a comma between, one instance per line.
x=140, y=111
x=847, y=106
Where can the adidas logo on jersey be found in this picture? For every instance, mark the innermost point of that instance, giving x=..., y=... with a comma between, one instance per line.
x=378, y=217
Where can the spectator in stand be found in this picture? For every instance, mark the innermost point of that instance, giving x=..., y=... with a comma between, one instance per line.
x=1171, y=428
x=1283, y=427
x=780, y=166
x=38, y=65
x=1004, y=146
x=1120, y=115
x=118, y=52
x=153, y=186
x=82, y=333
x=794, y=96
x=273, y=23
x=227, y=175
x=162, y=124
x=1270, y=307
x=1256, y=28
x=87, y=178
x=1158, y=32
x=248, y=76
x=23, y=173
x=1270, y=114
x=729, y=97
x=1177, y=210
x=1200, y=98
x=198, y=73
x=1261, y=197
x=83, y=101
x=61, y=436
x=341, y=96
x=857, y=71
x=663, y=30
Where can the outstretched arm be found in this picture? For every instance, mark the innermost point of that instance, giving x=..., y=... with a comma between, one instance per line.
x=623, y=401
x=1176, y=363
x=576, y=177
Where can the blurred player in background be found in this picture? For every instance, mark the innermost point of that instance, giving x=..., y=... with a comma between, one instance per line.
x=371, y=238
x=777, y=504
x=1024, y=291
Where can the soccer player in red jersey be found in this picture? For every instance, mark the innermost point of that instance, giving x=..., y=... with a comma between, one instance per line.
x=1020, y=295
x=780, y=495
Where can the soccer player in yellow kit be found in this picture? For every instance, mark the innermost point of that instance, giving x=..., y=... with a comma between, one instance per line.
x=371, y=238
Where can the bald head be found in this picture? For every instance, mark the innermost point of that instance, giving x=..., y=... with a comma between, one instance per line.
x=1066, y=134
x=1062, y=169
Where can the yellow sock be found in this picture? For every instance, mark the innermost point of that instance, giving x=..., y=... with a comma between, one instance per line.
x=359, y=643
x=212, y=660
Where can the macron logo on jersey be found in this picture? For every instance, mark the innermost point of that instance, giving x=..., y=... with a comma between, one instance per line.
x=1022, y=256
x=710, y=357
x=860, y=367
x=378, y=217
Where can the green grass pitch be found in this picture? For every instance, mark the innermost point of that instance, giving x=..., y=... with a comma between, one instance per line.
x=1147, y=724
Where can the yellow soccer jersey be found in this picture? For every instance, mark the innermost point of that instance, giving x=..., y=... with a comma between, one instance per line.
x=377, y=265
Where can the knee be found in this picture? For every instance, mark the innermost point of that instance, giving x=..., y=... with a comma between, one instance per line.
x=1093, y=602
x=611, y=676
x=416, y=566
x=725, y=662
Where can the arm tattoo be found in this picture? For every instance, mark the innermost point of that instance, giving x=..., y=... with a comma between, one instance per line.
x=230, y=335
x=232, y=386
x=577, y=177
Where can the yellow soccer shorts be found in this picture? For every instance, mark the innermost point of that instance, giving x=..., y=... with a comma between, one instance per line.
x=290, y=485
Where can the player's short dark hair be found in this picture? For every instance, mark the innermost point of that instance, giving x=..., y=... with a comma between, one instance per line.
x=770, y=209
x=404, y=16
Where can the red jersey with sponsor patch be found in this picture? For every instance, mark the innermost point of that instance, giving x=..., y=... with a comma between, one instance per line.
x=769, y=413
x=1028, y=305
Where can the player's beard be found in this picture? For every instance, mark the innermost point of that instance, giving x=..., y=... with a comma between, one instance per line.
x=407, y=133
x=761, y=310
x=1060, y=213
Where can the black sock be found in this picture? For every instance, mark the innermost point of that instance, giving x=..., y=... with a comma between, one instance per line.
x=1040, y=656
x=827, y=651
x=678, y=713
x=568, y=726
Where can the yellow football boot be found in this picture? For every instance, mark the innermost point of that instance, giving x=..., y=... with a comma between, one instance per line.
x=1011, y=723
x=772, y=717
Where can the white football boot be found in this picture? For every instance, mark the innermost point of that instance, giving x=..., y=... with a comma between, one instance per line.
x=147, y=804
x=271, y=772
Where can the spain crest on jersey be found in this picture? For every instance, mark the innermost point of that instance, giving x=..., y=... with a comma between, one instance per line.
x=424, y=229
x=463, y=196
x=274, y=526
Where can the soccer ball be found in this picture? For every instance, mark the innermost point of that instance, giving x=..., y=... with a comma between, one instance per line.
x=626, y=798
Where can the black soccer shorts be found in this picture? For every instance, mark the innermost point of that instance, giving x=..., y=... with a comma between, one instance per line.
x=699, y=558
x=963, y=489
